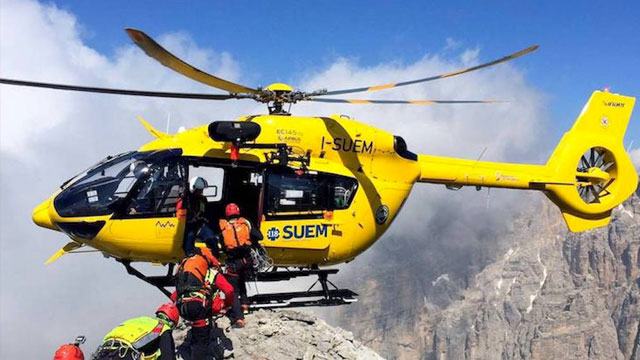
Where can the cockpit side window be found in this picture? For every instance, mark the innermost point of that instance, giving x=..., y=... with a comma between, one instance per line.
x=105, y=187
x=97, y=192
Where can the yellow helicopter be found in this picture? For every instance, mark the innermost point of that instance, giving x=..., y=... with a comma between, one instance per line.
x=321, y=189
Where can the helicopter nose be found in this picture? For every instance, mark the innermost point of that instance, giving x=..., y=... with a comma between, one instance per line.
x=41, y=217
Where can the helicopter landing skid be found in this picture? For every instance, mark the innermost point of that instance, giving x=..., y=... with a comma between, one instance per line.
x=323, y=297
x=161, y=282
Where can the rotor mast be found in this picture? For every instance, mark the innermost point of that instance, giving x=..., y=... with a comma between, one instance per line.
x=277, y=95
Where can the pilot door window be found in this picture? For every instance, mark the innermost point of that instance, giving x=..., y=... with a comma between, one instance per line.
x=159, y=191
x=311, y=192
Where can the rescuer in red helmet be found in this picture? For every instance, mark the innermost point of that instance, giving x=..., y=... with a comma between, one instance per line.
x=237, y=237
x=198, y=284
x=143, y=337
x=70, y=351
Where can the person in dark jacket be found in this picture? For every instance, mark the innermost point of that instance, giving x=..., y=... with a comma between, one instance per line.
x=195, y=205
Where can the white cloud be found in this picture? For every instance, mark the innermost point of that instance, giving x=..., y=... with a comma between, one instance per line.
x=635, y=158
x=47, y=136
x=452, y=44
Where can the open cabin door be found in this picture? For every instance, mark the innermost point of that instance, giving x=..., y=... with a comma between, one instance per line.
x=226, y=184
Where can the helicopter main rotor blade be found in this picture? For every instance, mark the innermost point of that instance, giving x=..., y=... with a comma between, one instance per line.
x=409, y=102
x=154, y=50
x=430, y=78
x=122, y=91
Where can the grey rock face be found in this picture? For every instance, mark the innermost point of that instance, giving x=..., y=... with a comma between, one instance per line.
x=288, y=334
x=548, y=294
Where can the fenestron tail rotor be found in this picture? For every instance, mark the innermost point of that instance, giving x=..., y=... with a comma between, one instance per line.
x=275, y=95
x=595, y=173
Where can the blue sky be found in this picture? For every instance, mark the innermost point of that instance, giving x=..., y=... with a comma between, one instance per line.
x=584, y=45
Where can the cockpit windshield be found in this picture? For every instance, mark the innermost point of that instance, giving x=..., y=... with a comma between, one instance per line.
x=104, y=186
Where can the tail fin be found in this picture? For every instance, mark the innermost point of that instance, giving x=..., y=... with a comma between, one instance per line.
x=592, y=172
x=588, y=174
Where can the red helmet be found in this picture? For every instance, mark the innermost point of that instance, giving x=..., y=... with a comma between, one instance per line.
x=170, y=310
x=232, y=210
x=68, y=352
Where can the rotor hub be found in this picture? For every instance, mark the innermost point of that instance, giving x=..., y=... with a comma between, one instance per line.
x=276, y=95
x=279, y=88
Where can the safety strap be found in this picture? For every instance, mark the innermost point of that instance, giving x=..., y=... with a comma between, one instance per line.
x=200, y=323
x=235, y=234
x=122, y=347
x=194, y=296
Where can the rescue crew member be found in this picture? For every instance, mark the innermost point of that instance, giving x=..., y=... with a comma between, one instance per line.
x=195, y=204
x=197, y=284
x=237, y=236
x=142, y=337
x=70, y=351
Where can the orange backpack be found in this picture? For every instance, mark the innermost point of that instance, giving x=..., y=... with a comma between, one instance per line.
x=235, y=234
x=192, y=270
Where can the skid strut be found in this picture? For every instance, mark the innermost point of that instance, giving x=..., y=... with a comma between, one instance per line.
x=161, y=282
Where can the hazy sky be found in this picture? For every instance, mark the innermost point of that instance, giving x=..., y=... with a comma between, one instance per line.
x=47, y=136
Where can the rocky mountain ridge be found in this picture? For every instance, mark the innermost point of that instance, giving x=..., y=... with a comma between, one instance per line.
x=548, y=294
x=283, y=334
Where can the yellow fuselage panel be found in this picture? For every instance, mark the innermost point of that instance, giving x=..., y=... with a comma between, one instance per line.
x=336, y=145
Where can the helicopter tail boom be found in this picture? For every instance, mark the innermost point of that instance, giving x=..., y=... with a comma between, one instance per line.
x=588, y=174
